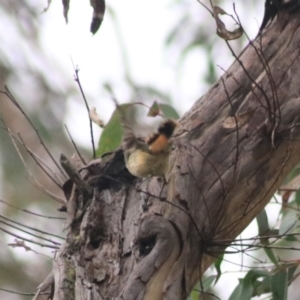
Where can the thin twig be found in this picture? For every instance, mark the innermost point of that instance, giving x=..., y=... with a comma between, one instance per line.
x=46, y=192
x=75, y=146
x=32, y=228
x=276, y=104
x=27, y=232
x=34, y=156
x=14, y=101
x=203, y=292
x=27, y=240
x=39, y=164
x=21, y=293
x=31, y=212
x=237, y=127
x=202, y=195
x=206, y=7
x=246, y=211
x=252, y=80
x=76, y=78
x=214, y=168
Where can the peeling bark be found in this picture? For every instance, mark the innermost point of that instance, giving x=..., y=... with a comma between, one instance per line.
x=141, y=239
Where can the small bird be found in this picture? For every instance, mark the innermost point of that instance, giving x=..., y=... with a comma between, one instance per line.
x=271, y=10
x=273, y=7
x=149, y=157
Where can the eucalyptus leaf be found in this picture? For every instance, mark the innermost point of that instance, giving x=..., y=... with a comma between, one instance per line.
x=112, y=133
x=279, y=284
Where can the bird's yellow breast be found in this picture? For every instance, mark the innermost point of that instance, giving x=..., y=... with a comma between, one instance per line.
x=144, y=164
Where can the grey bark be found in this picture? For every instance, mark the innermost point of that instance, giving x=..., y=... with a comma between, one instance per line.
x=141, y=239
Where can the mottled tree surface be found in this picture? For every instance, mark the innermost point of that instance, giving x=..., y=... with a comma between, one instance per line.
x=131, y=238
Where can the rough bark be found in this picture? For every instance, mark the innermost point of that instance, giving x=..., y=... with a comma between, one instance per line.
x=140, y=239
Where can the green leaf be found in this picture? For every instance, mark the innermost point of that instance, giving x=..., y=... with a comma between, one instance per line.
x=242, y=291
x=208, y=281
x=291, y=271
x=168, y=111
x=217, y=264
x=290, y=238
x=264, y=230
x=194, y=295
x=297, y=198
x=263, y=223
x=262, y=287
x=246, y=287
x=271, y=255
x=279, y=284
x=292, y=175
x=289, y=222
x=206, y=285
x=112, y=133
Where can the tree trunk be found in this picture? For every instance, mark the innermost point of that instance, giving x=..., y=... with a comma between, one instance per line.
x=131, y=238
